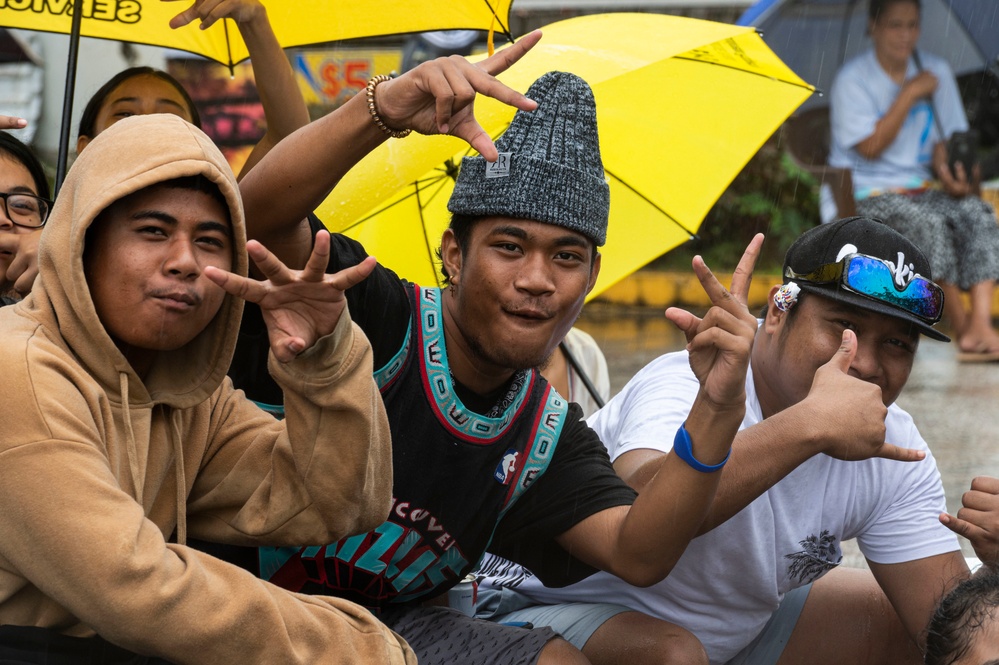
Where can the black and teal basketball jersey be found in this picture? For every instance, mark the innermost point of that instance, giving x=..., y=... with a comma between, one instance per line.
x=457, y=473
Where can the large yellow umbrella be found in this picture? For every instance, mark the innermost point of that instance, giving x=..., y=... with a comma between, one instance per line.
x=295, y=22
x=682, y=105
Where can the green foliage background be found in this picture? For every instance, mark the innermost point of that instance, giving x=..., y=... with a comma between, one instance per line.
x=771, y=195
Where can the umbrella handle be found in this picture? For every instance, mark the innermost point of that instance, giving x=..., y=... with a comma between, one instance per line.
x=592, y=389
x=67, y=106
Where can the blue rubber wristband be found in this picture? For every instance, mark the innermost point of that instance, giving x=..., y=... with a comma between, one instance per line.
x=683, y=448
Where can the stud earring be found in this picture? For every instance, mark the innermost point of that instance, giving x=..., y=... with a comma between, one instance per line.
x=786, y=296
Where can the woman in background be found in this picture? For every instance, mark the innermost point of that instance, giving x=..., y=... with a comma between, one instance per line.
x=24, y=190
x=144, y=90
x=892, y=110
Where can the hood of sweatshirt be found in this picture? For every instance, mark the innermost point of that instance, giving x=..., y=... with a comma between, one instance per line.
x=133, y=154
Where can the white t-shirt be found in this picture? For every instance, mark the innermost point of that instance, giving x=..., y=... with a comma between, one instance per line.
x=861, y=95
x=729, y=581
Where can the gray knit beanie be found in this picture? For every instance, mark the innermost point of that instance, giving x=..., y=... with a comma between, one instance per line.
x=549, y=168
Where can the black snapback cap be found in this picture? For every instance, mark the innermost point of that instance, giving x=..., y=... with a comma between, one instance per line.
x=829, y=243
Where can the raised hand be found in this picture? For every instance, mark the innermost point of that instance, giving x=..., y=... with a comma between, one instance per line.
x=836, y=395
x=210, y=11
x=299, y=306
x=438, y=96
x=978, y=519
x=720, y=344
x=921, y=85
x=20, y=272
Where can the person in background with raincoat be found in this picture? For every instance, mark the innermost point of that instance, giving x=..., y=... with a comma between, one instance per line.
x=569, y=382
x=892, y=110
x=122, y=435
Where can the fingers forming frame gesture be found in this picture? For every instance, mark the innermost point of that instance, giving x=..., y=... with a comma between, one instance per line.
x=299, y=306
x=438, y=96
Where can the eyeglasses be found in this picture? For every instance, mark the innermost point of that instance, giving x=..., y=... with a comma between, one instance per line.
x=26, y=210
x=874, y=278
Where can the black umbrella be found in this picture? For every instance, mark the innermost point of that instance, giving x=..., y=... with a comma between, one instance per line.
x=815, y=37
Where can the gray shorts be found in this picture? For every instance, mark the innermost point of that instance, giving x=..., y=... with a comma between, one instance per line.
x=768, y=646
x=576, y=622
x=444, y=636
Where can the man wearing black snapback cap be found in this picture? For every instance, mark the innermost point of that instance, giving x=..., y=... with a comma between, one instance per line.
x=823, y=456
x=857, y=262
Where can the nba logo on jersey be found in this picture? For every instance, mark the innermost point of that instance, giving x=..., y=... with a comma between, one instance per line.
x=506, y=467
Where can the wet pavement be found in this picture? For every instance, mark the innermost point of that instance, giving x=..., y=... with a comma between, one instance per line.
x=955, y=405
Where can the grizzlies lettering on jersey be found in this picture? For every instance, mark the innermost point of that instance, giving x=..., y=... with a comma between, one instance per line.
x=456, y=475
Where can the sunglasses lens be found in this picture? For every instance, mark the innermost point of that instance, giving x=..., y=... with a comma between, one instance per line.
x=875, y=279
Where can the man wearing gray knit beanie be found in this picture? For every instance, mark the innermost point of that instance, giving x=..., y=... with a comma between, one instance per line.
x=549, y=167
x=486, y=454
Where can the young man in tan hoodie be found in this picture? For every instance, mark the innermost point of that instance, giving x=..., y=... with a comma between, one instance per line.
x=122, y=435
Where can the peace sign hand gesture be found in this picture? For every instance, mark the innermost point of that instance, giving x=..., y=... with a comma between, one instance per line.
x=299, y=306
x=438, y=96
x=720, y=343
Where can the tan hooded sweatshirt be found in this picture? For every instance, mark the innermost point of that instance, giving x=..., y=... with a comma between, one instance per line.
x=99, y=467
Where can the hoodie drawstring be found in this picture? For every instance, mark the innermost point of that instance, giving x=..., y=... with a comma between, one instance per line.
x=178, y=453
x=138, y=478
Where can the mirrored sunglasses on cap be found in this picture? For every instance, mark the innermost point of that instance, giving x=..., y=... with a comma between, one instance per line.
x=874, y=278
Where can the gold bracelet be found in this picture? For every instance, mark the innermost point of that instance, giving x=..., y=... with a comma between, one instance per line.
x=373, y=110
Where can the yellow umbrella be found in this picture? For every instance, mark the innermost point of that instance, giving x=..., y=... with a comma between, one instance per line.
x=295, y=22
x=682, y=105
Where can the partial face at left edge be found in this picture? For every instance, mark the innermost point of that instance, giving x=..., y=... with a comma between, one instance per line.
x=14, y=178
